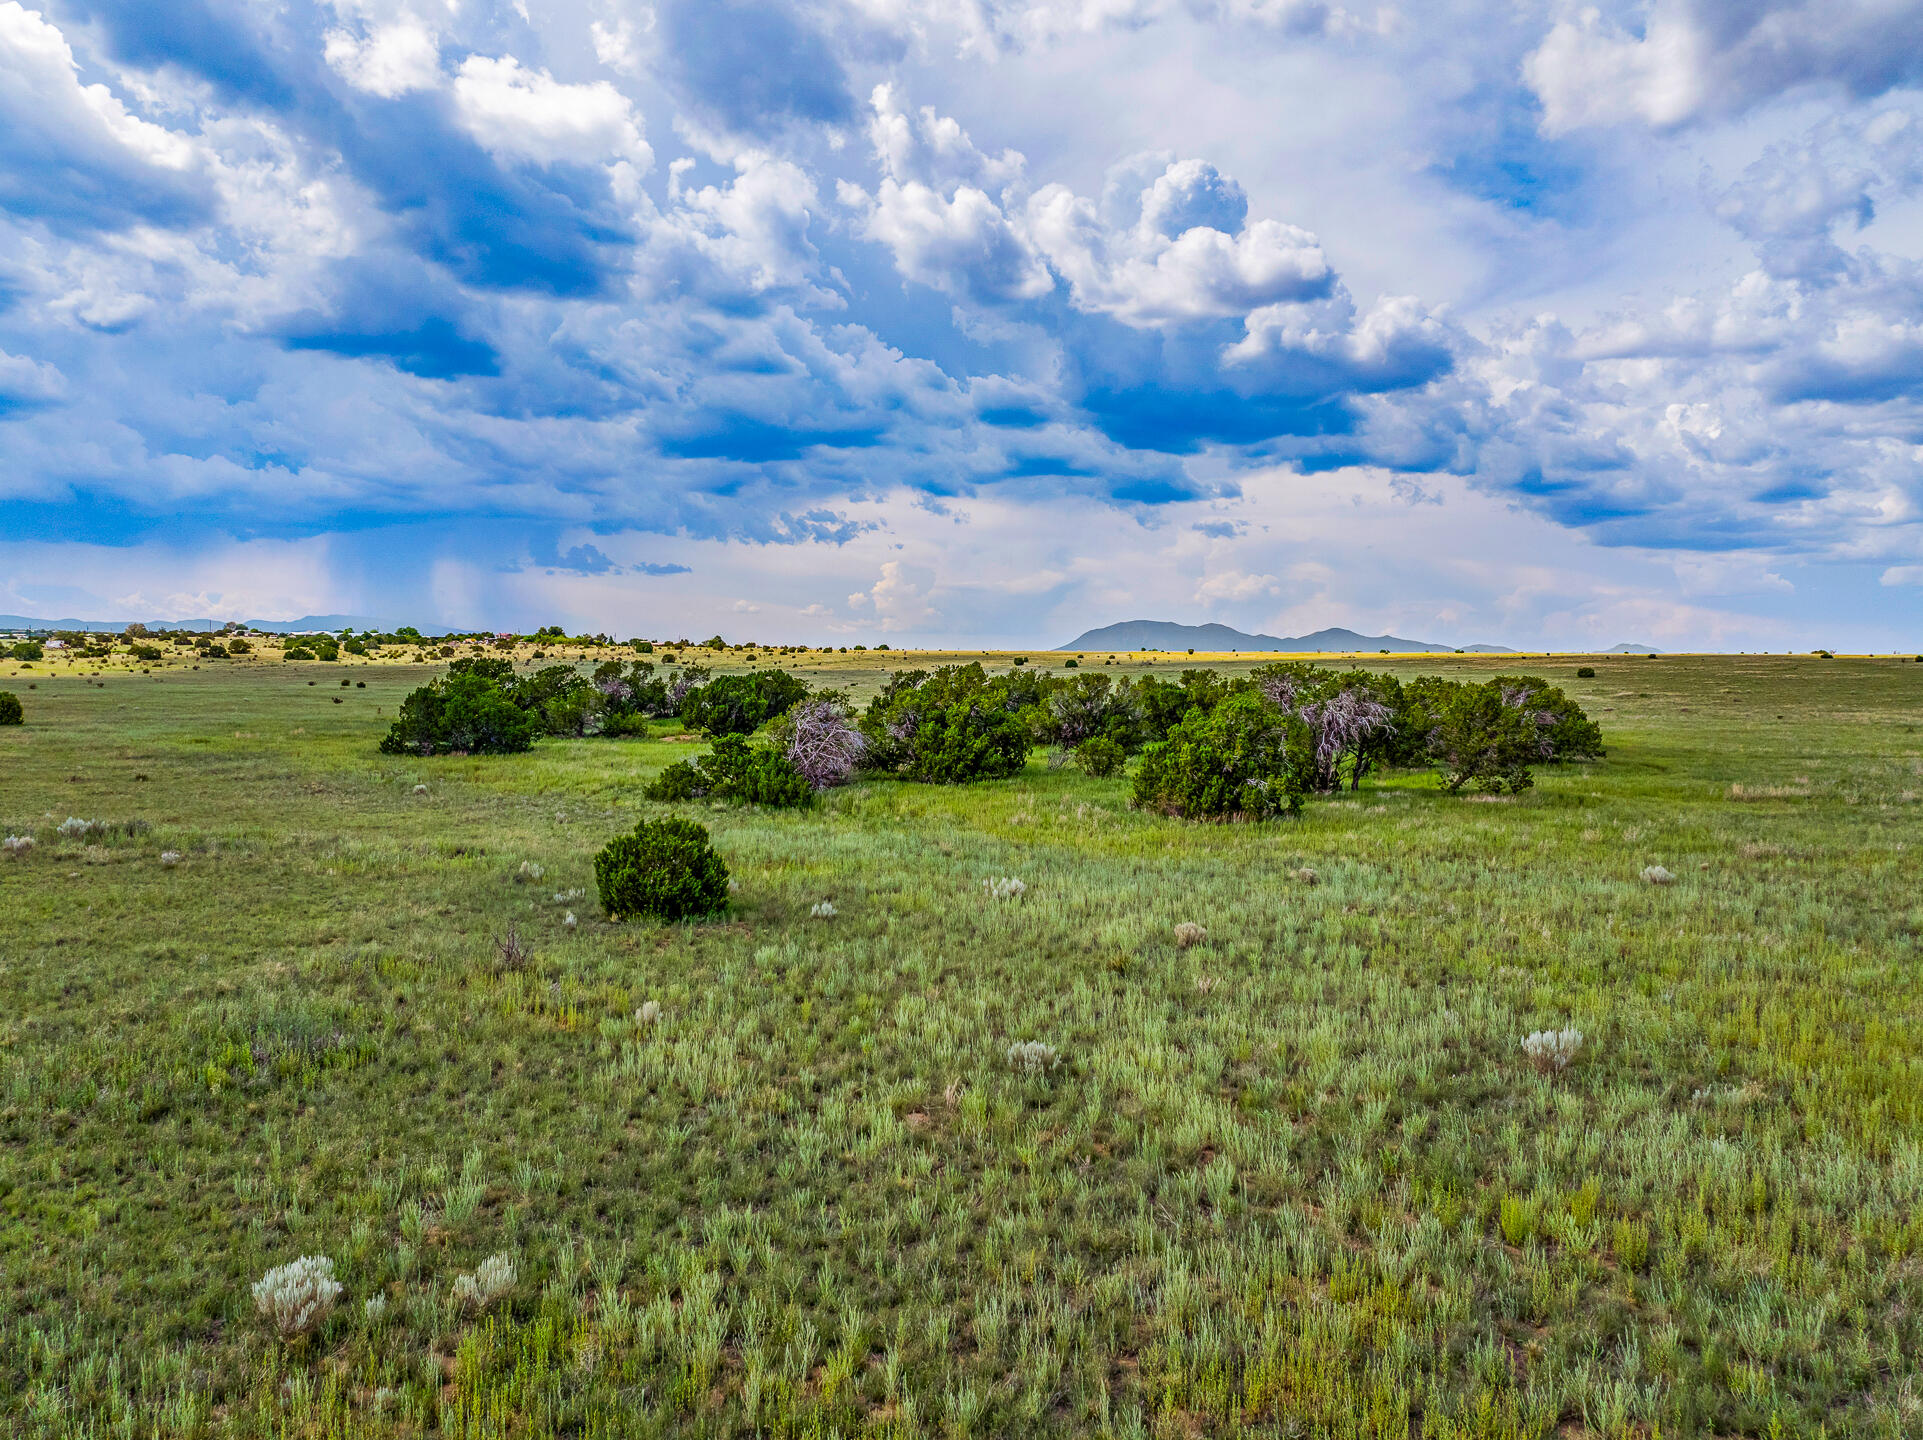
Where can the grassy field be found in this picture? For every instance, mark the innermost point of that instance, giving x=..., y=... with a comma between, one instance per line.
x=1299, y=1179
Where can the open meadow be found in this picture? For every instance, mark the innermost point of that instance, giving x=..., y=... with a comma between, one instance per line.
x=781, y=1174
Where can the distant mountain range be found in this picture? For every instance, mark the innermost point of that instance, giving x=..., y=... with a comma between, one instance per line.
x=278, y=627
x=1167, y=635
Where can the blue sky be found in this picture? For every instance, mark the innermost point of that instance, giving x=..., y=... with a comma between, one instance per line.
x=969, y=321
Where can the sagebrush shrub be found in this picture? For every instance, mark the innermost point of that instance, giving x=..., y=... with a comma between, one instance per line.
x=491, y=1279
x=10, y=711
x=1188, y=934
x=1004, y=887
x=17, y=844
x=298, y=1296
x=1657, y=875
x=823, y=910
x=666, y=868
x=74, y=828
x=1552, y=1050
x=1033, y=1057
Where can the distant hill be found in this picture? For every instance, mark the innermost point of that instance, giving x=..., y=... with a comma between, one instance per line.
x=278, y=627
x=1167, y=635
x=1630, y=650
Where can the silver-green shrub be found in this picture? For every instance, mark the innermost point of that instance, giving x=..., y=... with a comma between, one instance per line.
x=1033, y=1057
x=1552, y=1049
x=299, y=1295
x=491, y=1279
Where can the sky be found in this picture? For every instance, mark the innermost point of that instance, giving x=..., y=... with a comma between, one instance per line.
x=969, y=322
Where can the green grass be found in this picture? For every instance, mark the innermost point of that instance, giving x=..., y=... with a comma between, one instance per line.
x=1297, y=1180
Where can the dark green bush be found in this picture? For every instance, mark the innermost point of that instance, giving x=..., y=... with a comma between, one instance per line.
x=1585, y=672
x=741, y=704
x=28, y=650
x=666, y=868
x=952, y=726
x=735, y=770
x=466, y=712
x=1494, y=732
x=10, y=711
x=1101, y=757
x=1571, y=734
x=1077, y=708
x=561, y=702
x=1242, y=757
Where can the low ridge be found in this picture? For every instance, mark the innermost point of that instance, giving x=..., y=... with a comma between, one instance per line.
x=1169, y=635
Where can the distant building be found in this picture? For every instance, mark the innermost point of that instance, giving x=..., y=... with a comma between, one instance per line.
x=56, y=645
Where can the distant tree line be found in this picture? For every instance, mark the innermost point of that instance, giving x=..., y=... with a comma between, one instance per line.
x=1205, y=744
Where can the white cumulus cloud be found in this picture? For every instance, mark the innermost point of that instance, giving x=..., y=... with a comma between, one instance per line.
x=529, y=115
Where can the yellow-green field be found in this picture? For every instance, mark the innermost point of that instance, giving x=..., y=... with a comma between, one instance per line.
x=1298, y=1179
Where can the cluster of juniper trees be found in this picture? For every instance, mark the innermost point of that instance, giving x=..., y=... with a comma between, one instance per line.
x=1208, y=745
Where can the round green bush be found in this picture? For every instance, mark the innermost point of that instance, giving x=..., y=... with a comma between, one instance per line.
x=1101, y=757
x=10, y=711
x=666, y=868
x=1586, y=672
